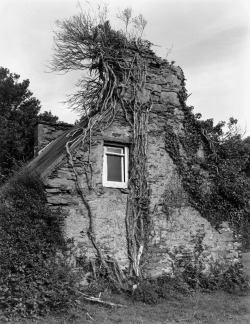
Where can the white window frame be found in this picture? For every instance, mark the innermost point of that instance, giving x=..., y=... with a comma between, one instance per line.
x=125, y=154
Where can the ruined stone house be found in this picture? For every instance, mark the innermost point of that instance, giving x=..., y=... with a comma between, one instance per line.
x=103, y=174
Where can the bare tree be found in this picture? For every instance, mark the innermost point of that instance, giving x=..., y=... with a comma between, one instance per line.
x=114, y=62
x=89, y=44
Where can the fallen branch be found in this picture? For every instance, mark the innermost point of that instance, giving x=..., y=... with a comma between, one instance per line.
x=98, y=300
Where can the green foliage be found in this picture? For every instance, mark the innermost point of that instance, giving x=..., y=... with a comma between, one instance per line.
x=47, y=117
x=18, y=116
x=33, y=279
x=146, y=292
x=99, y=286
x=217, y=184
x=150, y=291
x=246, y=142
x=230, y=279
x=18, y=112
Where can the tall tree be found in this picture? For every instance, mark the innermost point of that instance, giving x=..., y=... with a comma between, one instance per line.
x=18, y=115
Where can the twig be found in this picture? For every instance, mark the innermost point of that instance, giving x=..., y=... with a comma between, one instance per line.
x=91, y=318
x=98, y=300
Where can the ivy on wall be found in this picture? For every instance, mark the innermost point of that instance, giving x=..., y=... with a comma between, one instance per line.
x=212, y=164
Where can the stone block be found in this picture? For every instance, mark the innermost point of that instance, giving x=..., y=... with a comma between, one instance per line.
x=156, y=107
x=59, y=183
x=145, y=96
x=62, y=200
x=178, y=71
x=153, y=87
x=66, y=174
x=170, y=98
x=53, y=190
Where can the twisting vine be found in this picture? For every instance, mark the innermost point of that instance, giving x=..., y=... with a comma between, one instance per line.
x=118, y=68
x=137, y=218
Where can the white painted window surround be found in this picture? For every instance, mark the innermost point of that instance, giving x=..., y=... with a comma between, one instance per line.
x=115, y=165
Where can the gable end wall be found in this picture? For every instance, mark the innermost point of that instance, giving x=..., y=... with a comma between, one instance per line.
x=177, y=229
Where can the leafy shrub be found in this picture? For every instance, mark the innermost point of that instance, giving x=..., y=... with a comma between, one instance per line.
x=33, y=280
x=233, y=280
x=99, y=286
x=146, y=291
x=230, y=279
x=150, y=291
x=167, y=285
x=218, y=186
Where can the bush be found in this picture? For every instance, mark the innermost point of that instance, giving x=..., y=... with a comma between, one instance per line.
x=150, y=291
x=230, y=280
x=33, y=280
x=146, y=291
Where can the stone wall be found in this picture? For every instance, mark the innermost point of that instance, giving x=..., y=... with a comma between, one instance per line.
x=177, y=228
x=108, y=205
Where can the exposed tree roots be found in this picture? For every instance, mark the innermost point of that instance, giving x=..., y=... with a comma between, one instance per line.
x=118, y=85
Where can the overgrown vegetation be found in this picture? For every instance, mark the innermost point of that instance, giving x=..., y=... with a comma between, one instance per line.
x=115, y=63
x=151, y=291
x=191, y=280
x=214, y=308
x=19, y=112
x=217, y=183
x=33, y=278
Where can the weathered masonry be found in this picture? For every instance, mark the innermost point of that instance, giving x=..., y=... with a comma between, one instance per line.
x=102, y=170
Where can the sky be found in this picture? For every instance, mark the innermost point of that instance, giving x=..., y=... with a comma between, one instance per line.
x=208, y=39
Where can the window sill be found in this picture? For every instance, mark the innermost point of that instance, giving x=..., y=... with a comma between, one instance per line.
x=118, y=185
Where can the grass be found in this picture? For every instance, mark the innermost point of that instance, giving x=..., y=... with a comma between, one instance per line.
x=197, y=308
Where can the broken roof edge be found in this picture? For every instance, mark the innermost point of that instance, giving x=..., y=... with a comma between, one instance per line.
x=55, y=151
x=60, y=123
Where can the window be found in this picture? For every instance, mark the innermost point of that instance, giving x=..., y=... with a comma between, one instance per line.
x=115, y=166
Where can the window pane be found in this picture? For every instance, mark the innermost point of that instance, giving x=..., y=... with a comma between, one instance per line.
x=117, y=150
x=114, y=168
